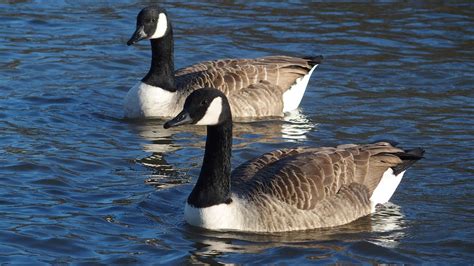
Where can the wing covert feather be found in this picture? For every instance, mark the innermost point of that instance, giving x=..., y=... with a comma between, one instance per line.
x=231, y=75
x=305, y=177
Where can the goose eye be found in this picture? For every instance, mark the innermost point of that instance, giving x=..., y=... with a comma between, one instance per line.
x=204, y=102
x=153, y=20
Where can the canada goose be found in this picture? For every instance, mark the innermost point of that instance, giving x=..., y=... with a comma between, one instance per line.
x=260, y=87
x=287, y=189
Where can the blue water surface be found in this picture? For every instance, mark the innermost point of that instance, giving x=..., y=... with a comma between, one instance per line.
x=81, y=185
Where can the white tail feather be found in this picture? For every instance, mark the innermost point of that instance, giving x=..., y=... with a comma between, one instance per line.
x=386, y=187
x=293, y=96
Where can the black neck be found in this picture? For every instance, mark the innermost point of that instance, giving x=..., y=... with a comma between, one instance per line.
x=213, y=184
x=161, y=73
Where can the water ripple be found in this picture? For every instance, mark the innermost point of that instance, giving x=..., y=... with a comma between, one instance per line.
x=82, y=185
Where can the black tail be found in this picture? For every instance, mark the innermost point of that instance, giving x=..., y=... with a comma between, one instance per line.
x=314, y=60
x=409, y=158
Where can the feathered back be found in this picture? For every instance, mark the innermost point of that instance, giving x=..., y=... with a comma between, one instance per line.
x=303, y=177
x=231, y=75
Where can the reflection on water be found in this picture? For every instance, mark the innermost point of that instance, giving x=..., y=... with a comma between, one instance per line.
x=384, y=229
x=296, y=126
x=293, y=126
x=162, y=141
x=387, y=223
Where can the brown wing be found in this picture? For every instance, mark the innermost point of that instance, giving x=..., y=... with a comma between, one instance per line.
x=257, y=100
x=232, y=75
x=304, y=177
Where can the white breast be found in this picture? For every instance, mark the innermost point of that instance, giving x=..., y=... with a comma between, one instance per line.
x=217, y=217
x=145, y=100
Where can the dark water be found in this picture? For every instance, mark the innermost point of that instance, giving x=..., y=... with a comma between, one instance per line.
x=81, y=185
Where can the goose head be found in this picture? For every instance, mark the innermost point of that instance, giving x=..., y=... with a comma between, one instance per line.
x=207, y=107
x=152, y=23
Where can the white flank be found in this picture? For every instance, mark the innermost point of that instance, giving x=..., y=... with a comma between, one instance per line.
x=386, y=187
x=161, y=27
x=145, y=100
x=217, y=217
x=211, y=117
x=292, y=97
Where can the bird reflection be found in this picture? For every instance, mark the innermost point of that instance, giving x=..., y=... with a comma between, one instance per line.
x=293, y=126
x=389, y=224
x=296, y=126
x=164, y=142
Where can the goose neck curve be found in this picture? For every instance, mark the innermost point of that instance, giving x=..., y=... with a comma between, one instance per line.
x=161, y=73
x=213, y=184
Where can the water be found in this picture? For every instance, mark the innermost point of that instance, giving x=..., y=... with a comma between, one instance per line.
x=81, y=185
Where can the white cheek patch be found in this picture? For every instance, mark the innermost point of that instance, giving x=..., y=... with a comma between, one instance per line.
x=212, y=113
x=161, y=27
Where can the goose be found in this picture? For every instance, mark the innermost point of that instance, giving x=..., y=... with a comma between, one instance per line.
x=287, y=189
x=262, y=87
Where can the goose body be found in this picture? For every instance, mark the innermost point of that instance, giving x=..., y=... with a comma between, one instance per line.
x=260, y=87
x=288, y=189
